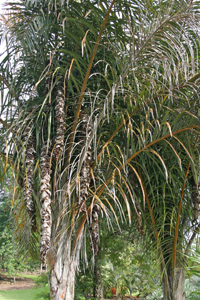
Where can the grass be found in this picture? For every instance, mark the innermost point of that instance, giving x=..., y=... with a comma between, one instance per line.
x=21, y=275
x=35, y=293
x=31, y=276
x=30, y=294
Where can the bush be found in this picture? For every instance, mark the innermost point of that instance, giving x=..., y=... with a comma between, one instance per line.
x=41, y=280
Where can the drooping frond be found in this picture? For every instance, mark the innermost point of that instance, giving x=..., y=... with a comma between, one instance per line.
x=127, y=103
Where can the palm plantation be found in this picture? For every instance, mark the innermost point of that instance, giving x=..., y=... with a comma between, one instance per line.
x=100, y=118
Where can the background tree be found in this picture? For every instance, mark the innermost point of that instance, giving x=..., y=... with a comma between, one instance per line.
x=192, y=272
x=12, y=260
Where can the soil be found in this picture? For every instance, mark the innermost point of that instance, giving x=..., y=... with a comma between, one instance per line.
x=6, y=283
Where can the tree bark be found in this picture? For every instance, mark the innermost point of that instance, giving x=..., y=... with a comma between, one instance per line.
x=98, y=288
x=28, y=176
x=195, y=199
x=95, y=249
x=62, y=270
x=173, y=284
x=60, y=121
x=45, y=198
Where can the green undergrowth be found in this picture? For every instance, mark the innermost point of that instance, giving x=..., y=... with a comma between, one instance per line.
x=28, y=294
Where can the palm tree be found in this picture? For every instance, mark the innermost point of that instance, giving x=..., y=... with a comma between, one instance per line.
x=53, y=57
x=106, y=94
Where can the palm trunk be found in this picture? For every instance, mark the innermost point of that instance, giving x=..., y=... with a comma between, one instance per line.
x=85, y=178
x=195, y=199
x=62, y=266
x=63, y=253
x=98, y=289
x=28, y=178
x=173, y=283
x=95, y=248
x=60, y=121
x=46, y=221
x=138, y=218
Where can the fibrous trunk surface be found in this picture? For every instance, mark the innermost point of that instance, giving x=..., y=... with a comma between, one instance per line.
x=85, y=176
x=96, y=250
x=195, y=199
x=45, y=192
x=60, y=121
x=94, y=230
x=28, y=177
x=98, y=288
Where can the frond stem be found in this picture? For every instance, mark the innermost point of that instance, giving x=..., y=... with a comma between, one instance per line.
x=141, y=150
x=4, y=123
x=179, y=210
x=192, y=79
x=86, y=79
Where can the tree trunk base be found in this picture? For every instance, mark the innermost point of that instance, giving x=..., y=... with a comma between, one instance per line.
x=173, y=284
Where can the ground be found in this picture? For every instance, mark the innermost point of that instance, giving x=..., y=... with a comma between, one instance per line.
x=6, y=283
